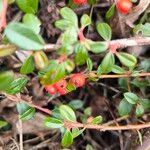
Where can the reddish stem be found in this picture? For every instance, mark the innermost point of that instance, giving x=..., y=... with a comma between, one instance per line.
x=3, y=14
x=81, y=35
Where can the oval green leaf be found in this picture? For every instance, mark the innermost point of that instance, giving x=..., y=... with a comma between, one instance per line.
x=67, y=113
x=104, y=30
x=53, y=122
x=127, y=59
x=22, y=36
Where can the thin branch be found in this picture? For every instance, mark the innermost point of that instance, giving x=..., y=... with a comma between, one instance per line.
x=104, y=128
x=17, y=99
x=143, y=74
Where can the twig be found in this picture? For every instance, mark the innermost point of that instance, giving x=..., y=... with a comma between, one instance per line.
x=19, y=125
x=104, y=128
x=143, y=74
x=16, y=99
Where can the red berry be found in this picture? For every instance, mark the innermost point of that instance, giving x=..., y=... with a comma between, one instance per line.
x=78, y=80
x=50, y=89
x=62, y=91
x=124, y=6
x=61, y=86
x=79, y=2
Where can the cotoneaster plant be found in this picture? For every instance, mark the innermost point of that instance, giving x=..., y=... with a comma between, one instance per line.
x=59, y=76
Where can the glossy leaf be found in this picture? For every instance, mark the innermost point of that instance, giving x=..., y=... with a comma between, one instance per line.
x=127, y=59
x=104, y=30
x=67, y=113
x=32, y=22
x=69, y=14
x=85, y=20
x=25, y=111
x=110, y=13
x=144, y=29
x=76, y=132
x=98, y=47
x=5, y=79
x=118, y=70
x=107, y=64
x=124, y=108
x=76, y=104
x=88, y=111
x=97, y=120
x=22, y=36
x=89, y=64
x=67, y=139
x=69, y=36
x=17, y=85
x=145, y=103
x=81, y=55
x=63, y=24
x=28, y=6
x=131, y=97
x=28, y=66
x=3, y=123
x=139, y=110
x=53, y=122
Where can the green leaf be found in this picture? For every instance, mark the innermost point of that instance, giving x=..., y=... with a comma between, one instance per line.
x=127, y=59
x=54, y=75
x=143, y=29
x=104, y=30
x=85, y=20
x=97, y=120
x=6, y=50
x=63, y=24
x=110, y=13
x=53, y=122
x=67, y=139
x=139, y=110
x=5, y=79
x=69, y=37
x=140, y=83
x=145, y=103
x=67, y=113
x=124, y=108
x=131, y=97
x=70, y=87
x=145, y=65
x=76, y=132
x=76, y=104
x=32, y=22
x=118, y=70
x=88, y=111
x=25, y=111
x=89, y=64
x=22, y=36
x=69, y=65
x=81, y=55
x=92, y=2
x=3, y=123
x=28, y=6
x=98, y=47
x=28, y=66
x=17, y=85
x=69, y=14
x=107, y=64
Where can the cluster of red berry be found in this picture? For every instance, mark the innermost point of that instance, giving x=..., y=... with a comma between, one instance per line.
x=124, y=6
x=78, y=80
x=79, y=2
